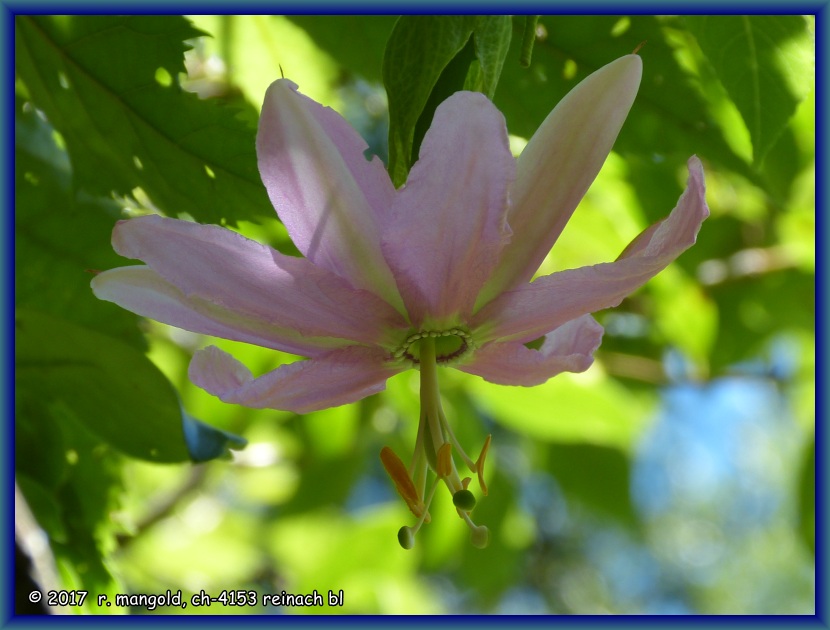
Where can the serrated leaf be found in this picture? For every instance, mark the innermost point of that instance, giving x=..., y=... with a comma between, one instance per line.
x=109, y=85
x=765, y=62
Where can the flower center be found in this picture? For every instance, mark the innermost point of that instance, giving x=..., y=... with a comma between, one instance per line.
x=450, y=345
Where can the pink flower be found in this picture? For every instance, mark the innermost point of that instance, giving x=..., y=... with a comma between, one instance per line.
x=435, y=273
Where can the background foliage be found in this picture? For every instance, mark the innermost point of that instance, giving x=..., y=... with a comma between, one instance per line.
x=675, y=476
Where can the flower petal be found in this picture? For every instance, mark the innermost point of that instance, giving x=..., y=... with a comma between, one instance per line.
x=569, y=348
x=141, y=290
x=447, y=225
x=339, y=377
x=256, y=282
x=328, y=195
x=529, y=311
x=559, y=164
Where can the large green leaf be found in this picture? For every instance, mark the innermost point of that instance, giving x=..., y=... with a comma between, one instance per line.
x=109, y=85
x=765, y=62
x=427, y=59
x=113, y=389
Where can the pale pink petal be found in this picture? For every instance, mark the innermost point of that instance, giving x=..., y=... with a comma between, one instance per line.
x=559, y=164
x=529, y=311
x=569, y=348
x=256, y=282
x=447, y=225
x=141, y=290
x=339, y=377
x=328, y=195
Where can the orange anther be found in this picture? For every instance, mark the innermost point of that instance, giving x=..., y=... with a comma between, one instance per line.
x=403, y=482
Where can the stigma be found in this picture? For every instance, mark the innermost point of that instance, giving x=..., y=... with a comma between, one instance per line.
x=433, y=462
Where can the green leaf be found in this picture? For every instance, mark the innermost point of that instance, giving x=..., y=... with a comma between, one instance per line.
x=427, y=59
x=765, y=62
x=595, y=476
x=109, y=386
x=492, y=36
x=669, y=120
x=109, y=85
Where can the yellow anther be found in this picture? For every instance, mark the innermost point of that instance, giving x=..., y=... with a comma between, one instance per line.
x=480, y=464
x=403, y=482
x=445, y=460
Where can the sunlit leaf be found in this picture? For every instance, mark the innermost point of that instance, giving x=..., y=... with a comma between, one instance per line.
x=109, y=85
x=766, y=63
x=669, y=119
x=355, y=41
x=587, y=408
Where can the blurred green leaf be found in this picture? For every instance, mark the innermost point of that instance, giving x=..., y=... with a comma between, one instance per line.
x=568, y=408
x=807, y=497
x=356, y=41
x=427, y=59
x=493, y=570
x=749, y=317
x=765, y=62
x=109, y=84
x=75, y=510
x=44, y=506
x=597, y=477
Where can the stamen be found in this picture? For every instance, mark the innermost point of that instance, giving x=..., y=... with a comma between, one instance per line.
x=406, y=535
x=403, y=483
x=480, y=464
x=479, y=534
x=445, y=460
